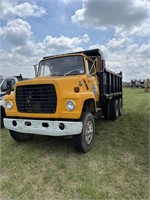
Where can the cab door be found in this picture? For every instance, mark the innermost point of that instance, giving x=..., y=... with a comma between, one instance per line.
x=92, y=79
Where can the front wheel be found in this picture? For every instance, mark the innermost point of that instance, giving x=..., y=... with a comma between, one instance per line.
x=83, y=142
x=20, y=137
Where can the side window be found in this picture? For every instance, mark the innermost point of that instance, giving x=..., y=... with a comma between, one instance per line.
x=8, y=84
x=91, y=67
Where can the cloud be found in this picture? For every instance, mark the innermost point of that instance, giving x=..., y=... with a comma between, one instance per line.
x=24, y=51
x=122, y=51
x=31, y=49
x=28, y=52
x=64, y=42
x=123, y=54
x=17, y=32
x=50, y=45
x=122, y=15
x=10, y=9
x=118, y=42
x=15, y=64
x=66, y=2
x=140, y=31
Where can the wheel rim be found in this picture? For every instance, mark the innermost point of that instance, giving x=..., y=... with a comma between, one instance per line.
x=89, y=132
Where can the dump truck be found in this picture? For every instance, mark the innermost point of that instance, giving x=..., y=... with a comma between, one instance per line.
x=69, y=92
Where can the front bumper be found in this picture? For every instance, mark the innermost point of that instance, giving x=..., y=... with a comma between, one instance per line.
x=44, y=127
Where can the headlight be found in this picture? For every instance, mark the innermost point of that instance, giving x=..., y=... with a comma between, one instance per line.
x=8, y=105
x=70, y=105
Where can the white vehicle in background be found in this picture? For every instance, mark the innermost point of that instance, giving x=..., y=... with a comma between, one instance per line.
x=141, y=83
x=6, y=85
x=134, y=83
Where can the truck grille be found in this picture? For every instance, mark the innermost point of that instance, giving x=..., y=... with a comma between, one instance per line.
x=36, y=98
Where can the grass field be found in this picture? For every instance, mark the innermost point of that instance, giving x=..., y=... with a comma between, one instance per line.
x=117, y=167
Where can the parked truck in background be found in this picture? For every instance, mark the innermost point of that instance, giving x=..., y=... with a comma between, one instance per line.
x=134, y=83
x=6, y=85
x=137, y=83
x=70, y=90
x=141, y=83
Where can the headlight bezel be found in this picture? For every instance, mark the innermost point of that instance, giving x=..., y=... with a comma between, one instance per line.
x=8, y=105
x=70, y=105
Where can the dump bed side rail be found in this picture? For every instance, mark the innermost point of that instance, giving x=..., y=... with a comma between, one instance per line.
x=110, y=84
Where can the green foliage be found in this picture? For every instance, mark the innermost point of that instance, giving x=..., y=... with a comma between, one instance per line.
x=116, y=168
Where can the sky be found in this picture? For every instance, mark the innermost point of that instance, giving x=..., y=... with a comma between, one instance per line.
x=30, y=30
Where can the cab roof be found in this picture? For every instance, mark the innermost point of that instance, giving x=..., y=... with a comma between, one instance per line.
x=91, y=53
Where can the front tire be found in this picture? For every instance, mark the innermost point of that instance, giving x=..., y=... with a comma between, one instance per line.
x=84, y=141
x=20, y=137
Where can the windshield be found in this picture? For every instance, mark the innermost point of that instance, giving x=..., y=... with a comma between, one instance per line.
x=62, y=66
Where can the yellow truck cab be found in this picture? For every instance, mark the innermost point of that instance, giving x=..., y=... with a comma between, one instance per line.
x=69, y=90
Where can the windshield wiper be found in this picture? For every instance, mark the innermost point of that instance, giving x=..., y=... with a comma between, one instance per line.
x=56, y=74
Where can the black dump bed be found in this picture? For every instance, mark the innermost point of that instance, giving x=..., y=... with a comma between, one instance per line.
x=110, y=84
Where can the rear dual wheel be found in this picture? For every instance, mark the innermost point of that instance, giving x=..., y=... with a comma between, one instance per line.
x=120, y=105
x=106, y=109
x=112, y=109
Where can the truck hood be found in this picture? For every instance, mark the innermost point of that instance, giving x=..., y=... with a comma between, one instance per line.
x=64, y=82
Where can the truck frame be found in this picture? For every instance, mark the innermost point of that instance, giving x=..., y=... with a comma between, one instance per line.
x=70, y=90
